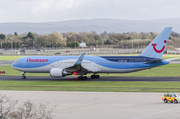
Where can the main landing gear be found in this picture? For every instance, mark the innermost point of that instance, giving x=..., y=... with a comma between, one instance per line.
x=95, y=76
x=23, y=75
x=82, y=78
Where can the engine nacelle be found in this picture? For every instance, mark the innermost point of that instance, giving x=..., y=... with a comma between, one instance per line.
x=58, y=73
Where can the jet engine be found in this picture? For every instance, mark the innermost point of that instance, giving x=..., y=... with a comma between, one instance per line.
x=58, y=73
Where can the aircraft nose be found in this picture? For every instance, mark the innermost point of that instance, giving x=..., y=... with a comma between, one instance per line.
x=14, y=64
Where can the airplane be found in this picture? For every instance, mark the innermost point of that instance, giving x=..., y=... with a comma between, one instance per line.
x=61, y=66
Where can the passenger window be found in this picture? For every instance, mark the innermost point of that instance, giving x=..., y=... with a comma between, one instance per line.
x=167, y=95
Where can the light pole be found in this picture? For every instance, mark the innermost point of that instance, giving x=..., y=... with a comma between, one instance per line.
x=45, y=43
x=56, y=45
x=132, y=42
x=138, y=42
x=11, y=44
x=75, y=41
x=33, y=45
x=97, y=43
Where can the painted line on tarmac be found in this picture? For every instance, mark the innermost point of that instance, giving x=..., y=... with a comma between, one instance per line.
x=143, y=116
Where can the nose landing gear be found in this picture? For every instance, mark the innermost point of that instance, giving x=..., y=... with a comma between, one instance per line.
x=23, y=75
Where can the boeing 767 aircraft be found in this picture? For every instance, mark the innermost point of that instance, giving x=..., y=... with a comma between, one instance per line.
x=61, y=66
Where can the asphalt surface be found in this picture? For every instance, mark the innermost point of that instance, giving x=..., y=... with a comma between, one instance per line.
x=6, y=62
x=175, y=62
x=39, y=78
x=101, y=105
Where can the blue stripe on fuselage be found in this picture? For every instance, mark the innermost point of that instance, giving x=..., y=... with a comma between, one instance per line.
x=117, y=62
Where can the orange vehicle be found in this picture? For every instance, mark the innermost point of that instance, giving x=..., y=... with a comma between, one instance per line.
x=171, y=97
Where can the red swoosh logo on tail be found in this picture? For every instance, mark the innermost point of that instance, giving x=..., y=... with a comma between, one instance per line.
x=158, y=51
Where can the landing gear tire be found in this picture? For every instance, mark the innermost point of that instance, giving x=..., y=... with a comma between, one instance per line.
x=95, y=76
x=23, y=77
x=92, y=76
x=82, y=78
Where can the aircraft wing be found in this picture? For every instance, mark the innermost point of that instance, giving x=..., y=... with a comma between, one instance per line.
x=77, y=66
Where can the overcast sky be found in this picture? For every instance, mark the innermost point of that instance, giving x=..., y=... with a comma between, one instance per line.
x=60, y=10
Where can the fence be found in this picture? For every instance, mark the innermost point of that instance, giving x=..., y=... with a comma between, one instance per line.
x=65, y=51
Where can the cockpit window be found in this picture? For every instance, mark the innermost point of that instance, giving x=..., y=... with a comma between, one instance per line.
x=16, y=61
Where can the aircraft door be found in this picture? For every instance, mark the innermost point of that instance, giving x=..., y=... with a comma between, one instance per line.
x=52, y=63
x=23, y=62
x=131, y=62
x=94, y=62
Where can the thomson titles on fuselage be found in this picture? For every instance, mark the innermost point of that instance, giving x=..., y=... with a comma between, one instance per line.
x=29, y=60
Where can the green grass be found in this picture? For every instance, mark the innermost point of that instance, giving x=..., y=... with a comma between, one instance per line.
x=170, y=70
x=10, y=57
x=165, y=56
x=91, y=86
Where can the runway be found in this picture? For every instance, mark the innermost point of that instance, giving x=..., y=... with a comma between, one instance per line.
x=6, y=62
x=39, y=78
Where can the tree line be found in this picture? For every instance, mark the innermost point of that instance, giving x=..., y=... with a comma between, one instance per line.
x=72, y=39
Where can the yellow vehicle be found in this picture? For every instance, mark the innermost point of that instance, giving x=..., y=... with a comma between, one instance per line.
x=171, y=97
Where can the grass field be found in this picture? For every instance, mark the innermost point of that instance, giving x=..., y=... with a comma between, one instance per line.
x=10, y=57
x=91, y=86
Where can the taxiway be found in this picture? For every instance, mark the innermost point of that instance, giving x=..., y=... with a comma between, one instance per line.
x=101, y=105
x=46, y=78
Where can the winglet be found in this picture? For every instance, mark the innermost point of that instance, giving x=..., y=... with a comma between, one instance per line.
x=79, y=61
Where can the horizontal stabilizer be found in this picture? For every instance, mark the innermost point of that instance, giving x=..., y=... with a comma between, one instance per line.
x=153, y=61
x=172, y=59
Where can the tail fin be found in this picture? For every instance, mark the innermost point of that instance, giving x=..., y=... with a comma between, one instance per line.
x=156, y=48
